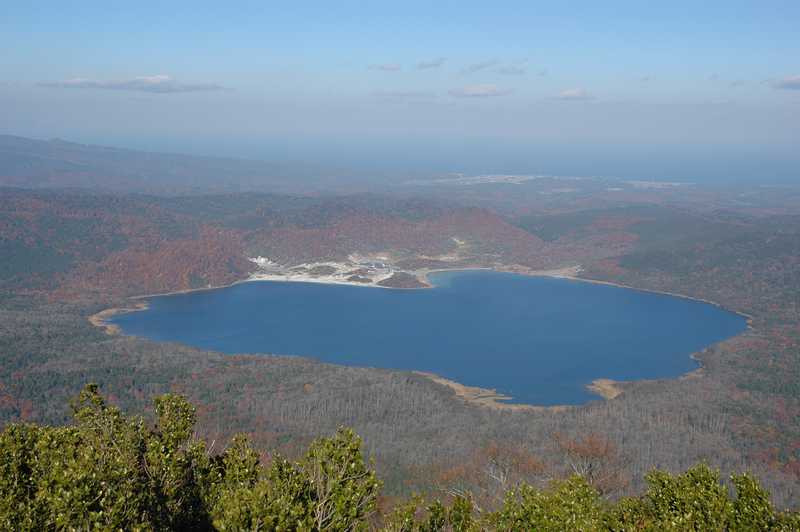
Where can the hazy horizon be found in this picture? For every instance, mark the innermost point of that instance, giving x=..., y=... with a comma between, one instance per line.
x=682, y=92
x=393, y=165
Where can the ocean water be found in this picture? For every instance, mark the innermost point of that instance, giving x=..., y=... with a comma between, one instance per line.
x=539, y=340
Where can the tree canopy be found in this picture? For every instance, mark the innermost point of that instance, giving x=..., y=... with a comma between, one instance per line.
x=109, y=471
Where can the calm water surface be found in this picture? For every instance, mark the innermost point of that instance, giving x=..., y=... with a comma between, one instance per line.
x=540, y=340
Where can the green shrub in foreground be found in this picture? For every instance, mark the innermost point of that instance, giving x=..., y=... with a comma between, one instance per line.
x=112, y=472
x=109, y=471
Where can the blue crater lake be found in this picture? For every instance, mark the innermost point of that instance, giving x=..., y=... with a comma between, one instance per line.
x=537, y=339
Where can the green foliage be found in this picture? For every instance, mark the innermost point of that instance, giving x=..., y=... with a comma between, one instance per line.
x=331, y=489
x=436, y=519
x=414, y=516
x=693, y=501
x=752, y=509
x=343, y=489
x=109, y=471
x=404, y=517
x=629, y=513
x=18, y=443
x=696, y=500
x=460, y=515
x=112, y=472
x=570, y=504
x=254, y=499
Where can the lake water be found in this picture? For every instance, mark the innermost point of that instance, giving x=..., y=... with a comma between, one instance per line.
x=540, y=340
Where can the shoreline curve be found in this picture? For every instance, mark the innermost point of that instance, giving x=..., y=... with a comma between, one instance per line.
x=605, y=388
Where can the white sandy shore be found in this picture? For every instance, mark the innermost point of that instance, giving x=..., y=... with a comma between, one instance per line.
x=305, y=278
x=569, y=272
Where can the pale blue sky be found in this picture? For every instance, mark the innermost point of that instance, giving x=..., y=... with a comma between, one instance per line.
x=411, y=83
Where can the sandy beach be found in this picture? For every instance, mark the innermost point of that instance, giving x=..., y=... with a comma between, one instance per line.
x=486, y=397
x=605, y=388
x=101, y=318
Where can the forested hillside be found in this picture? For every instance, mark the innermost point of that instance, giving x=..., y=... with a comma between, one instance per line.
x=56, y=163
x=72, y=254
x=73, y=245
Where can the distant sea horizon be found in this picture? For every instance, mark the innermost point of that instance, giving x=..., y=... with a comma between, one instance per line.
x=394, y=161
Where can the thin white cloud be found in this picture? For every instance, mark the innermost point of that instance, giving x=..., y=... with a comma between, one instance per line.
x=574, y=95
x=431, y=64
x=791, y=83
x=386, y=67
x=483, y=65
x=479, y=91
x=160, y=84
